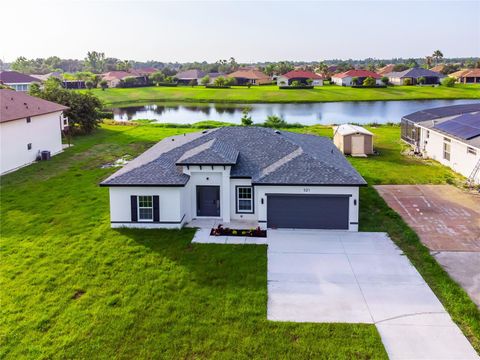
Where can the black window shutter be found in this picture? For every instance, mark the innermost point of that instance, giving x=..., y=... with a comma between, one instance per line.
x=133, y=207
x=156, y=208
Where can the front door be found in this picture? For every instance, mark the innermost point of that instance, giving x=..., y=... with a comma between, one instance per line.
x=208, y=201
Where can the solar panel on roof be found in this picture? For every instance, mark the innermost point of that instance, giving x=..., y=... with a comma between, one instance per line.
x=435, y=113
x=466, y=126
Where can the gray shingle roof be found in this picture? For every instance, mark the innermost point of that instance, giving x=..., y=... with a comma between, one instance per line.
x=444, y=111
x=415, y=73
x=264, y=155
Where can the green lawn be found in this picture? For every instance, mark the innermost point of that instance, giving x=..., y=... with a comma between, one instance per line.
x=271, y=94
x=71, y=287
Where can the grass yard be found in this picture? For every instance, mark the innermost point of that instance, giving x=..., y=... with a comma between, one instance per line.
x=74, y=288
x=271, y=94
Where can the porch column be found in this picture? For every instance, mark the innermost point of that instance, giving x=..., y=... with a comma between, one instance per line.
x=226, y=194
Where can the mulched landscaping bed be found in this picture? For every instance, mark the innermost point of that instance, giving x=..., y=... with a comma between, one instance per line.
x=221, y=231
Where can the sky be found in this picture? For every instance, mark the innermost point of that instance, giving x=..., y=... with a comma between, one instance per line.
x=248, y=31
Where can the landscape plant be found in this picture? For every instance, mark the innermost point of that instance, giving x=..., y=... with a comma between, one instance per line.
x=369, y=82
x=246, y=119
x=448, y=82
x=157, y=77
x=275, y=121
x=89, y=84
x=103, y=85
x=384, y=80
x=421, y=80
x=205, y=80
x=354, y=80
x=407, y=81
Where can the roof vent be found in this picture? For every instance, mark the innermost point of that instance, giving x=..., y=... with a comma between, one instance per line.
x=277, y=132
x=204, y=131
x=173, y=139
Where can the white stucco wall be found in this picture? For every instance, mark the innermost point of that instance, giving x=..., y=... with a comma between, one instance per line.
x=170, y=206
x=460, y=160
x=43, y=132
x=209, y=175
x=261, y=191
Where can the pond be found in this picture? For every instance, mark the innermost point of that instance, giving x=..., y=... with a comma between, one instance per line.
x=361, y=112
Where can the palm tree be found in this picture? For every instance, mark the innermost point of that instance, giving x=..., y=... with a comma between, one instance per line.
x=322, y=68
x=437, y=55
x=428, y=61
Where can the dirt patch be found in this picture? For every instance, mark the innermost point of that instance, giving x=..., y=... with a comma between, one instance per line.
x=78, y=294
x=445, y=217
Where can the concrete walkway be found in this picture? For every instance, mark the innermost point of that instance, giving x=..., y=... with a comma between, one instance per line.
x=316, y=276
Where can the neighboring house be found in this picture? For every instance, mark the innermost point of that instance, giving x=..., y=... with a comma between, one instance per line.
x=17, y=81
x=28, y=125
x=468, y=76
x=117, y=77
x=353, y=140
x=450, y=135
x=185, y=77
x=345, y=78
x=144, y=71
x=386, y=69
x=299, y=75
x=414, y=74
x=214, y=75
x=250, y=76
x=438, y=68
x=45, y=77
x=279, y=179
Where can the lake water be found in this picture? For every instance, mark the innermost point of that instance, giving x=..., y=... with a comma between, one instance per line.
x=361, y=112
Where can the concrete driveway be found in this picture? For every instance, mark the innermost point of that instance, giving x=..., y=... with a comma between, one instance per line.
x=328, y=276
x=447, y=220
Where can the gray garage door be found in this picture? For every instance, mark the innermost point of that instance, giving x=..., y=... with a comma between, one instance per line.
x=307, y=211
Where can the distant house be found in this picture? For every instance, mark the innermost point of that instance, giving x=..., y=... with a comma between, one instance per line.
x=449, y=135
x=45, y=77
x=17, y=81
x=28, y=125
x=144, y=71
x=345, y=78
x=414, y=74
x=116, y=78
x=185, y=77
x=353, y=140
x=468, y=76
x=301, y=76
x=250, y=76
x=438, y=68
x=386, y=69
x=214, y=75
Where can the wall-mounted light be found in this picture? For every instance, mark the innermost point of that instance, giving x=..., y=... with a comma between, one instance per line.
x=262, y=201
x=355, y=202
x=208, y=178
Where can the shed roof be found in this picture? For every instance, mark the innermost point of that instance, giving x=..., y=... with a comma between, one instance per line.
x=348, y=129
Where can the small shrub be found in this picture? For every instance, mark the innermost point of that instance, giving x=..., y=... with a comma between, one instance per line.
x=369, y=81
x=422, y=80
x=384, y=80
x=407, y=81
x=448, y=82
x=274, y=121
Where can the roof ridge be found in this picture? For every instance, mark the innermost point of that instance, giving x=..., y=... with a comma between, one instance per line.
x=280, y=162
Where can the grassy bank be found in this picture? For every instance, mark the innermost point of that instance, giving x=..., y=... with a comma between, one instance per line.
x=271, y=94
x=74, y=288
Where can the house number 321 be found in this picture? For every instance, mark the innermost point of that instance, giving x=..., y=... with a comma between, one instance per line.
x=306, y=189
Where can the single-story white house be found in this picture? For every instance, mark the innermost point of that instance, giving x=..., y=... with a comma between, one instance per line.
x=346, y=78
x=276, y=178
x=28, y=125
x=353, y=140
x=449, y=134
x=17, y=81
x=303, y=77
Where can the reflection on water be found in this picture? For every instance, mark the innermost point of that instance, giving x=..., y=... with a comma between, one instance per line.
x=361, y=112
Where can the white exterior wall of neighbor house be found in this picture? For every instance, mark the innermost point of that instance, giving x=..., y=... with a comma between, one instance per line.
x=208, y=175
x=170, y=206
x=346, y=81
x=261, y=191
x=43, y=132
x=19, y=86
x=283, y=81
x=460, y=161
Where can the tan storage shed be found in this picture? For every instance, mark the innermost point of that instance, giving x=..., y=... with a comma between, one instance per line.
x=353, y=140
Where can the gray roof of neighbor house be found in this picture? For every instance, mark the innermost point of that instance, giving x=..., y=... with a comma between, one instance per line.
x=18, y=105
x=415, y=73
x=440, y=112
x=436, y=119
x=14, y=77
x=264, y=155
x=190, y=75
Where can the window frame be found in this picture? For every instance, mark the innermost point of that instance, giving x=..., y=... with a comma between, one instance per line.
x=237, y=199
x=445, y=152
x=29, y=146
x=139, y=219
x=29, y=119
x=471, y=151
